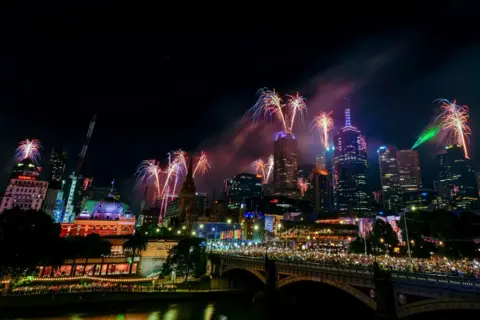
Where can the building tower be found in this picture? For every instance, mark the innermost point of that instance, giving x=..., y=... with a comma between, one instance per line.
x=58, y=163
x=187, y=198
x=456, y=178
x=24, y=190
x=409, y=170
x=74, y=190
x=350, y=169
x=389, y=178
x=285, y=164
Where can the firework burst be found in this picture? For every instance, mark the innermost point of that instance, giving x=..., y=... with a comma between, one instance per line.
x=323, y=124
x=149, y=171
x=302, y=185
x=453, y=124
x=270, y=105
x=202, y=165
x=28, y=149
x=263, y=168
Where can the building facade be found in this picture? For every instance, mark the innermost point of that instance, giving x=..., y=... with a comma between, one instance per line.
x=24, y=190
x=409, y=170
x=242, y=186
x=350, y=170
x=456, y=178
x=389, y=178
x=58, y=164
x=285, y=164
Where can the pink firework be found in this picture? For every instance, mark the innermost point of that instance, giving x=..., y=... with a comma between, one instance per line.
x=270, y=105
x=149, y=171
x=296, y=109
x=263, y=168
x=28, y=149
x=202, y=165
x=302, y=185
x=453, y=124
x=323, y=123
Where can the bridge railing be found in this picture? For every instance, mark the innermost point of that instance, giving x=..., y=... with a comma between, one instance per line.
x=470, y=284
x=305, y=265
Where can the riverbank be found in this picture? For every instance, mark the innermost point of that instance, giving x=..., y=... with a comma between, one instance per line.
x=62, y=303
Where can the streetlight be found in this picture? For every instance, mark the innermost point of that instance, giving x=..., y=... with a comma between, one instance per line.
x=201, y=226
x=178, y=232
x=406, y=231
x=158, y=229
x=193, y=233
x=184, y=227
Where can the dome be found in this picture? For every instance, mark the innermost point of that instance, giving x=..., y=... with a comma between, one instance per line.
x=108, y=209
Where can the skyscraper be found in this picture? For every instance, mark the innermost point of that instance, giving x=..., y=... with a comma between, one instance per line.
x=389, y=177
x=456, y=177
x=58, y=163
x=187, y=200
x=243, y=185
x=285, y=164
x=409, y=170
x=322, y=191
x=350, y=169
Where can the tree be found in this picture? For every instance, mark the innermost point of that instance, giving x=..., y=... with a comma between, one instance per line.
x=383, y=237
x=27, y=239
x=187, y=256
x=137, y=243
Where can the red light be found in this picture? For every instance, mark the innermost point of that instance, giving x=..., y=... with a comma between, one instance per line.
x=26, y=178
x=274, y=201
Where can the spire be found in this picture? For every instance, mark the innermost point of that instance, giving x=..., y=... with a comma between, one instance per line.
x=190, y=168
x=348, y=122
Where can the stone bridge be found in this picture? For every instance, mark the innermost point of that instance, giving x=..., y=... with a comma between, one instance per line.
x=395, y=294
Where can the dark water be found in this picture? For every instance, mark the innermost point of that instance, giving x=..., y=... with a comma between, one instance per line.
x=304, y=300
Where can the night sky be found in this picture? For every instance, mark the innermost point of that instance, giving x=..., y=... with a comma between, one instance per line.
x=161, y=86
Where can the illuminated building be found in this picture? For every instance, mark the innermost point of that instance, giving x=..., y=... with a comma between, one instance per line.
x=107, y=217
x=322, y=186
x=242, y=186
x=285, y=164
x=24, y=190
x=350, y=169
x=389, y=178
x=409, y=170
x=58, y=163
x=424, y=200
x=456, y=178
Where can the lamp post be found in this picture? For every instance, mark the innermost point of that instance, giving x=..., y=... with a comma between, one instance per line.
x=406, y=233
x=229, y=222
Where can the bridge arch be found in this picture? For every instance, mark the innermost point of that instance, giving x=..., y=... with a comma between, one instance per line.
x=352, y=291
x=256, y=273
x=438, y=304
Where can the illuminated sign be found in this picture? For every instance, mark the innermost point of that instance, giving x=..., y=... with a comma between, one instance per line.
x=259, y=175
x=26, y=178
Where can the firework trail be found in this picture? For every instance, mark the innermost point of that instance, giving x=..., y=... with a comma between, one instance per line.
x=270, y=104
x=28, y=149
x=202, y=166
x=302, y=185
x=453, y=124
x=147, y=171
x=263, y=168
x=323, y=123
x=269, y=168
x=427, y=135
x=296, y=105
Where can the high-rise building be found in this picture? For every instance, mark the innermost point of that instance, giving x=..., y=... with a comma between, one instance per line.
x=243, y=185
x=350, y=169
x=58, y=163
x=409, y=170
x=24, y=190
x=285, y=164
x=322, y=186
x=389, y=178
x=456, y=178
x=187, y=199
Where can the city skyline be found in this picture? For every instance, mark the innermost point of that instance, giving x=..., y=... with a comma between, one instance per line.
x=379, y=105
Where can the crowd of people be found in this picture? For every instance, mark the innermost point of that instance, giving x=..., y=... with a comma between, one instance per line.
x=87, y=287
x=314, y=254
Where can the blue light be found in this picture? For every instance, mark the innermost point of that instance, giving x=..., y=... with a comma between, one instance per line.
x=424, y=194
x=381, y=213
x=383, y=148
